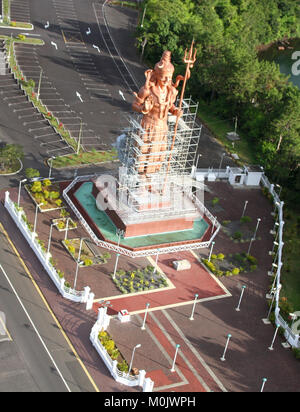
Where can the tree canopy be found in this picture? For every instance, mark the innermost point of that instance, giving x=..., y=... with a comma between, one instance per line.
x=229, y=75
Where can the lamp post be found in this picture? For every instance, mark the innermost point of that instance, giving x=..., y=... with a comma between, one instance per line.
x=244, y=210
x=258, y=220
x=249, y=248
x=116, y=265
x=174, y=360
x=142, y=24
x=226, y=346
x=194, y=305
x=271, y=347
x=49, y=241
x=19, y=193
x=131, y=362
x=145, y=317
x=78, y=263
x=211, y=249
x=263, y=384
x=50, y=168
x=238, y=306
x=35, y=217
x=67, y=228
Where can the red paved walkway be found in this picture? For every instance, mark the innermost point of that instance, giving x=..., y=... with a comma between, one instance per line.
x=186, y=284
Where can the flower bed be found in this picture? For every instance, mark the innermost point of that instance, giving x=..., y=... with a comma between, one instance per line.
x=111, y=349
x=233, y=265
x=63, y=223
x=139, y=280
x=86, y=256
x=44, y=191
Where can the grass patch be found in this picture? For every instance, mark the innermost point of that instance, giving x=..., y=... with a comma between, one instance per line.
x=290, y=269
x=85, y=158
x=220, y=127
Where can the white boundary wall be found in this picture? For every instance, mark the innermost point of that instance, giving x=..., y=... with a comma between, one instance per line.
x=67, y=292
x=121, y=377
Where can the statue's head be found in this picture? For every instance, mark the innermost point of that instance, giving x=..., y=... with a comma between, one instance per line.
x=164, y=69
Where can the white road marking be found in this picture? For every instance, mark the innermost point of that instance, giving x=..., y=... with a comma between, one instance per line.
x=35, y=329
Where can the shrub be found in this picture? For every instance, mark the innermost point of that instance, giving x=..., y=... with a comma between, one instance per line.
x=31, y=173
x=61, y=225
x=58, y=202
x=221, y=256
x=245, y=219
x=215, y=201
x=235, y=271
x=71, y=249
x=213, y=256
x=123, y=366
x=226, y=222
x=21, y=37
x=36, y=187
x=252, y=259
x=296, y=352
x=47, y=182
x=109, y=345
x=88, y=262
x=54, y=195
x=237, y=236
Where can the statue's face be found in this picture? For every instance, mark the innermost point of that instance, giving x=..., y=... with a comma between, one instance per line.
x=164, y=78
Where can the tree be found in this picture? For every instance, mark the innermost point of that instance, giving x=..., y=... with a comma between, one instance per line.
x=31, y=173
x=8, y=155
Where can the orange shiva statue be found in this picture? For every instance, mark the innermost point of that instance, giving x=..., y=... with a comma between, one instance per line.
x=155, y=100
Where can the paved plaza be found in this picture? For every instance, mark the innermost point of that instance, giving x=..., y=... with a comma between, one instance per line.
x=202, y=340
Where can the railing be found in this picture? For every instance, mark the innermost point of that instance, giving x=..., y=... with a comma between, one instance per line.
x=66, y=292
x=160, y=249
x=277, y=263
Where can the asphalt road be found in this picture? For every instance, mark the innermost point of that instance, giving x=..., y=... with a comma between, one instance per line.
x=34, y=355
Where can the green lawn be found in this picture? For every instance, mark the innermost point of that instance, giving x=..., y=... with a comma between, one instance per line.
x=220, y=127
x=290, y=270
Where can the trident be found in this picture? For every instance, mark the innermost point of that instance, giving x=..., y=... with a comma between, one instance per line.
x=189, y=59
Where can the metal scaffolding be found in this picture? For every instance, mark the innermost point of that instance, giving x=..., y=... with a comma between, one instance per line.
x=151, y=163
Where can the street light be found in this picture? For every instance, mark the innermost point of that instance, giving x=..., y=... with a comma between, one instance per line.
x=245, y=205
x=258, y=220
x=78, y=262
x=19, y=194
x=116, y=265
x=174, y=360
x=130, y=366
x=49, y=241
x=211, y=249
x=50, y=168
x=35, y=217
x=145, y=317
x=143, y=16
x=195, y=301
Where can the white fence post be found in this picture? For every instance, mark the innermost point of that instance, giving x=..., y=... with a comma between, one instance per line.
x=141, y=377
x=87, y=290
x=90, y=301
x=148, y=385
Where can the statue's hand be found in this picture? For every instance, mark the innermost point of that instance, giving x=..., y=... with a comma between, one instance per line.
x=148, y=104
x=177, y=112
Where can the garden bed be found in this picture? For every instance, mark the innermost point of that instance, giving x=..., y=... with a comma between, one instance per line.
x=63, y=223
x=44, y=191
x=86, y=256
x=233, y=265
x=239, y=231
x=139, y=280
x=109, y=345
